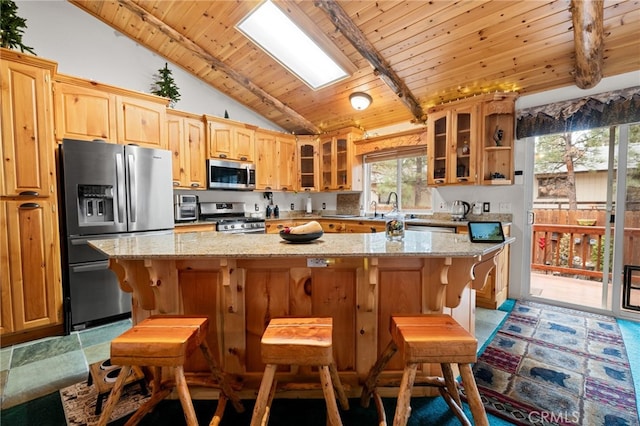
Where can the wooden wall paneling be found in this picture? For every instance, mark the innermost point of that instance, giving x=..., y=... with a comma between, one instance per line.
x=198, y=299
x=267, y=295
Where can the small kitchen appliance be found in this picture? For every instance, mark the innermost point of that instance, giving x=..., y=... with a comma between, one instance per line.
x=185, y=207
x=460, y=209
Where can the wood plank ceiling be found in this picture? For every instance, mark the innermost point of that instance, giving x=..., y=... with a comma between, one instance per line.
x=433, y=51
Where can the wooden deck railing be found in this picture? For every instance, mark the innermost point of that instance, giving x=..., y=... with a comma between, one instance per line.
x=577, y=250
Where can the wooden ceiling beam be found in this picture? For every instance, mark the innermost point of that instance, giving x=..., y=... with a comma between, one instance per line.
x=382, y=69
x=297, y=119
x=588, y=35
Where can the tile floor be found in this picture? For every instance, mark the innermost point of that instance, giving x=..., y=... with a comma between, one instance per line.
x=34, y=369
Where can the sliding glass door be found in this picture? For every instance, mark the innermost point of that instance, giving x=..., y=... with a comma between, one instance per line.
x=585, y=215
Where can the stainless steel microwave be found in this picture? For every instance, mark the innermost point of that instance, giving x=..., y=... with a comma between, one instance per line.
x=235, y=175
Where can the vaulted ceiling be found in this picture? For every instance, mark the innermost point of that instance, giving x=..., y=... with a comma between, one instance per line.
x=408, y=55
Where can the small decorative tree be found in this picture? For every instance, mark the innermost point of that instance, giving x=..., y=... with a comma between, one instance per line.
x=12, y=27
x=165, y=86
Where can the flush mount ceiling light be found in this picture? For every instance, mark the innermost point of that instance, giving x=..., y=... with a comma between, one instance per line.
x=360, y=100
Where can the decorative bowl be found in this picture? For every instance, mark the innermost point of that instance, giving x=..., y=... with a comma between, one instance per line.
x=300, y=238
x=586, y=222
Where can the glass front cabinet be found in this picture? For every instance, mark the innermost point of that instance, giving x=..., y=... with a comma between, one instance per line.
x=470, y=141
x=340, y=169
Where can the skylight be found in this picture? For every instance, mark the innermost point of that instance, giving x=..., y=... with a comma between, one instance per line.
x=273, y=31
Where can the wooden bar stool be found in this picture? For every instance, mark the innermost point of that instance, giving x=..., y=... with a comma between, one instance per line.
x=304, y=342
x=429, y=338
x=166, y=341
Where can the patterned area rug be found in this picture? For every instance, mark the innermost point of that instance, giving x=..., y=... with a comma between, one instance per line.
x=79, y=403
x=555, y=366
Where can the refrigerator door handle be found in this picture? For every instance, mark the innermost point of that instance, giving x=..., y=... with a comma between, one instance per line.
x=131, y=163
x=248, y=175
x=120, y=192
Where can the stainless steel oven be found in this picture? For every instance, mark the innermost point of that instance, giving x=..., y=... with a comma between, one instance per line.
x=230, y=218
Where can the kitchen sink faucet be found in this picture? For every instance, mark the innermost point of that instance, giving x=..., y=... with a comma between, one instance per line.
x=395, y=205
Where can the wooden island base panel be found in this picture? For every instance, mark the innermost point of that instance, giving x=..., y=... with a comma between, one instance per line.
x=243, y=281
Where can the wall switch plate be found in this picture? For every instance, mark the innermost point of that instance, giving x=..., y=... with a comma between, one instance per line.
x=504, y=207
x=486, y=207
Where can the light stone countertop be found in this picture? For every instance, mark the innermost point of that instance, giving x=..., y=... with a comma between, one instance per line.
x=220, y=245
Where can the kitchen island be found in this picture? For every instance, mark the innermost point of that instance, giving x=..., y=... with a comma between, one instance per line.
x=241, y=281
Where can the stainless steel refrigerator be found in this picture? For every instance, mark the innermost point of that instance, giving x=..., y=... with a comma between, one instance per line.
x=109, y=191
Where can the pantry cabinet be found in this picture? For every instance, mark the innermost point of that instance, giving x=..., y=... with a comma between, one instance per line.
x=88, y=110
x=470, y=141
x=34, y=287
x=31, y=288
x=186, y=138
x=276, y=167
x=340, y=168
x=230, y=140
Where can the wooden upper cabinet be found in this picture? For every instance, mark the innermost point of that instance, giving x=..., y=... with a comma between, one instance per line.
x=88, y=110
x=461, y=149
x=453, y=134
x=187, y=143
x=308, y=163
x=276, y=166
x=28, y=145
x=266, y=173
x=84, y=113
x=340, y=168
x=230, y=140
x=286, y=162
x=141, y=122
x=497, y=141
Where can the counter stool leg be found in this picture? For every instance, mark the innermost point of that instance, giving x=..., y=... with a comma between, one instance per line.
x=450, y=381
x=218, y=376
x=329, y=396
x=372, y=378
x=403, y=407
x=185, y=396
x=114, y=397
x=473, y=396
x=261, y=409
x=337, y=386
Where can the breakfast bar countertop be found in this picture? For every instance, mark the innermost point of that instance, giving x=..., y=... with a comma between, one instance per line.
x=219, y=245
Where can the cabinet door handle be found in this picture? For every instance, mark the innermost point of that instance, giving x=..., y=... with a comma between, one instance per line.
x=29, y=194
x=176, y=183
x=29, y=206
x=284, y=188
x=243, y=158
x=195, y=185
x=222, y=155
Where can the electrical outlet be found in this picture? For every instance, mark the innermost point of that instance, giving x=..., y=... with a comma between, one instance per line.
x=324, y=206
x=486, y=207
x=293, y=207
x=256, y=207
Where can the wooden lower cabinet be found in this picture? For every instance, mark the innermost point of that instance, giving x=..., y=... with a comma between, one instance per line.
x=242, y=295
x=363, y=226
x=30, y=264
x=496, y=290
x=194, y=227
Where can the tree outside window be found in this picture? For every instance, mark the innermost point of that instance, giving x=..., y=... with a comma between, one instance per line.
x=406, y=176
